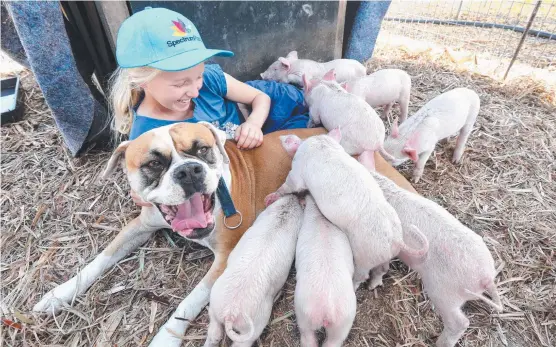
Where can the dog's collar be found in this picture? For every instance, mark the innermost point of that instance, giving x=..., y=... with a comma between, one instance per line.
x=227, y=203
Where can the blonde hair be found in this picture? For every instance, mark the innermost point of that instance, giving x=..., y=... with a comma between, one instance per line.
x=125, y=92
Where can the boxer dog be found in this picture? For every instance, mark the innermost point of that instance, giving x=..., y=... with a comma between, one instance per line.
x=178, y=169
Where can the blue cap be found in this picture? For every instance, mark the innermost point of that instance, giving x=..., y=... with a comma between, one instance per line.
x=163, y=39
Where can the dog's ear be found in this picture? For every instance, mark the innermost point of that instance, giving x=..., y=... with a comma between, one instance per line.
x=220, y=137
x=115, y=159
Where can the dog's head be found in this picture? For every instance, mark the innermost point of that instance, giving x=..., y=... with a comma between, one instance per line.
x=177, y=168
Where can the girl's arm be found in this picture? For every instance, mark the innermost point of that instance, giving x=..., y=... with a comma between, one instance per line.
x=249, y=135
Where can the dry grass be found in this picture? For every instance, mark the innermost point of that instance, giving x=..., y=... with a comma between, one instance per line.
x=55, y=218
x=512, y=12
x=499, y=43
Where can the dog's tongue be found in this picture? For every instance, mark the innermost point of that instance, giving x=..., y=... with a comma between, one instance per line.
x=190, y=215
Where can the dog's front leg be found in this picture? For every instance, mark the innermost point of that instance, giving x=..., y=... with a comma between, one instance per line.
x=190, y=307
x=129, y=239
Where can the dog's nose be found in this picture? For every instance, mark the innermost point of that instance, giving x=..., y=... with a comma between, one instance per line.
x=189, y=173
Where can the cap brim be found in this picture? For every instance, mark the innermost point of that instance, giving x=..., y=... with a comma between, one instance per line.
x=189, y=59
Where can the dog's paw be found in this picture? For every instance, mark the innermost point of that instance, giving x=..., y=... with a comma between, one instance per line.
x=53, y=301
x=167, y=336
x=271, y=198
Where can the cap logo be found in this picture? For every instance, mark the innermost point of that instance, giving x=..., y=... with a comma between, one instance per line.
x=180, y=28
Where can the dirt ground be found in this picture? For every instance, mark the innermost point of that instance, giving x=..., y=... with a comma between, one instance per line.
x=56, y=215
x=537, y=52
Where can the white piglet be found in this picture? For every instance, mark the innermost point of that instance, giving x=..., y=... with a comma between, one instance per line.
x=383, y=88
x=362, y=129
x=324, y=295
x=242, y=297
x=458, y=266
x=450, y=113
x=291, y=69
x=348, y=196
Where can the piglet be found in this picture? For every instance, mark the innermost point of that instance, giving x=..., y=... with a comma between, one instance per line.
x=448, y=114
x=242, y=297
x=458, y=266
x=383, y=88
x=348, y=196
x=291, y=69
x=362, y=129
x=324, y=294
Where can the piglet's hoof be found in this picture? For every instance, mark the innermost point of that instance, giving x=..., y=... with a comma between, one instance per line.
x=375, y=283
x=271, y=198
x=456, y=159
x=416, y=176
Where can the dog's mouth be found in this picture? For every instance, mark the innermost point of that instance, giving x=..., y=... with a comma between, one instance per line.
x=191, y=218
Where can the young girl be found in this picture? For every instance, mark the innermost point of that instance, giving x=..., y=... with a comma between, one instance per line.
x=162, y=79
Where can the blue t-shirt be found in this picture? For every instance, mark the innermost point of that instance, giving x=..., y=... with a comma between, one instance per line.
x=211, y=106
x=287, y=107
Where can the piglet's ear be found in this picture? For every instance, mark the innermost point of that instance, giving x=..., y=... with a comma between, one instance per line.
x=411, y=153
x=292, y=55
x=285, y=62
x=345, y=86
x=330, y=75
x=336, y=134
x=290, y=143
x=411, y=145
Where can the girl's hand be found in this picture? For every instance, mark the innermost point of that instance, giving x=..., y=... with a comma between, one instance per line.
x=137, y=199
x=248, y=136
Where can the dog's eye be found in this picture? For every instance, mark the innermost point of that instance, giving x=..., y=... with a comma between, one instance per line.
x=202, y=150
x=154, y=164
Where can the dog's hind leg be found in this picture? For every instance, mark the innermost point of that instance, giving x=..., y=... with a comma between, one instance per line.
x=190, y=307
x=129, y=239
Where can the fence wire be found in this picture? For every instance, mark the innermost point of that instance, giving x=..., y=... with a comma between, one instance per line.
x=489, y=27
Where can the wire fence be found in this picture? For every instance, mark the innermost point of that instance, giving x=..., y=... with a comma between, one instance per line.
x=491, y=28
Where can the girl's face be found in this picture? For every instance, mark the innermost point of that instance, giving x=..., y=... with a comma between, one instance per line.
x=174, y=90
